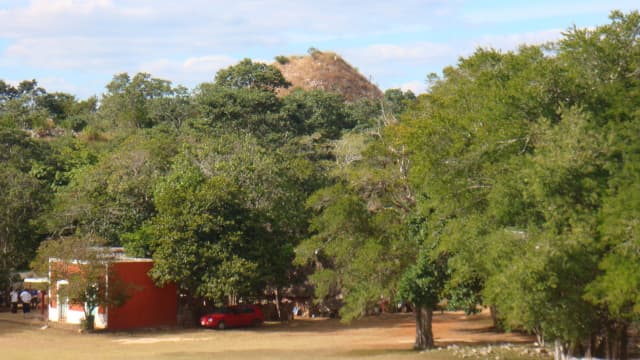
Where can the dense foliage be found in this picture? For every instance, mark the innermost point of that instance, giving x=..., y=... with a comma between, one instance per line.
x=512, y=184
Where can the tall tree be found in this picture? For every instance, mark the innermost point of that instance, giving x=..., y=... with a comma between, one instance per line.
x=308, y=112
x=114, y=195
x=514, y=157
x=132, y=102
x=26, y=177
x=254, y=110
x=251, y=75
x=228, y=215
x=360, y=239
x=422, y=285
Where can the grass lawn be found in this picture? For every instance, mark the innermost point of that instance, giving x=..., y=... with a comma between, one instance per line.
x=382, y=337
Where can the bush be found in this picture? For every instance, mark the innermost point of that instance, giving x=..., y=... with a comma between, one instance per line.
x=282, y=60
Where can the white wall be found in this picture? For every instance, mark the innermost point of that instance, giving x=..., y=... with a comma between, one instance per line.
x=76, y=316
x=53, y=313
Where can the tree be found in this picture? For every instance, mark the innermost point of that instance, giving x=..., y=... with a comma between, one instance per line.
x=396, y=101
x=19, y=105
x=251, y=75
x=254, y=110
x=85, y=264
x=313, y=111
x=23, y=198
x=26, y=179
x=114, y=195
x=133, y=102
x=228, y=215
x=360, y=230
x=516, y=156
x=422, y=285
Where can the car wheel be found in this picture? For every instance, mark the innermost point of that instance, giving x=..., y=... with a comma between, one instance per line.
x=257, y=322
x=221, y=325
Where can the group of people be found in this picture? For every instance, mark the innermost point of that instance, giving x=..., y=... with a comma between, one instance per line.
x=28, y=298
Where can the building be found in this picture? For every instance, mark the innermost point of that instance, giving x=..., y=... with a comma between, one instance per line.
x=147, y=305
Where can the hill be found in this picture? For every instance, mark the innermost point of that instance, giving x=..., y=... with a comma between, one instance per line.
x=326, y=71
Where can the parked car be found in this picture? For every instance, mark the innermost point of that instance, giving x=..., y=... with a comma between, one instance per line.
x=233, y=316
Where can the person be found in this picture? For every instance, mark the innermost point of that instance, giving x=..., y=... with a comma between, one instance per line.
x=34, y=299
x=25, y=296
x=14, y=300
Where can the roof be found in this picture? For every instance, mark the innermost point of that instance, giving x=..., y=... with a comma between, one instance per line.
x=113, y=254
x=36, y=280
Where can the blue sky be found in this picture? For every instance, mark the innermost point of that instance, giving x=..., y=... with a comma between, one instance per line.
x=77, y=46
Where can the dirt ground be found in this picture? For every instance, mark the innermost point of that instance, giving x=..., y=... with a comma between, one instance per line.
x=388, y=336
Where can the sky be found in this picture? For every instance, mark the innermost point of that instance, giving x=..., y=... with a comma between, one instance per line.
x=77, y=46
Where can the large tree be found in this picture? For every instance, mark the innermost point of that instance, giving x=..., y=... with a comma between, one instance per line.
x=516, y=156
x=248, y=74
x=112, y=195
x=142, y=101
x=26, y=178
x=228, y=215
x=362, y=235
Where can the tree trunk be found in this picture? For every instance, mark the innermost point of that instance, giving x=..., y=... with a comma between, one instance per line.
x=497, y=324
x=559, y=351
x=424, y=333
x=617, y=341
x=232, y=299
x=277, y=294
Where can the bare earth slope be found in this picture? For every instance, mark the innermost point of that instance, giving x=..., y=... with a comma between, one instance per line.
x=327, y=71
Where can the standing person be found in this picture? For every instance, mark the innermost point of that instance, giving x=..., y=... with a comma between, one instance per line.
x=25, y=296
x=14, y=300
x=34, y=299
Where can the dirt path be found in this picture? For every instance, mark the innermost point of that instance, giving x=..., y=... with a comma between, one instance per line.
x=397, y=331
x=389, y=336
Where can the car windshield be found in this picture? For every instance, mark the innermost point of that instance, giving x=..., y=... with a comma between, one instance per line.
x=226, y=310
x=222, y=311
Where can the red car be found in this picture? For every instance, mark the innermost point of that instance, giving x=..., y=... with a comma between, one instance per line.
x=233, y=316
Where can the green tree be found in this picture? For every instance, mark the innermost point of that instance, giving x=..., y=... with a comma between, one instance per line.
x=133, y=102
x=254, y=110
x=19, y=105
x=360, y=239
x=396, y=101
x=422, y=285
x=251, y=75
x=228, y=215
x=86, y=265
x=113, y=195
x=313, y=111
x=26, y=175
x=515, y=157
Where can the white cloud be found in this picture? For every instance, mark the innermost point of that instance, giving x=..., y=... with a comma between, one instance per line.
x=395, y=42
x=55, y=84
x=86, y=53
x=271, y=18
x=523, y=11
x=410, y=53
x=59, y=6
x=189, y=72
x=390, y=63
x=111, y=36
x=513, y=41
x=417, y=87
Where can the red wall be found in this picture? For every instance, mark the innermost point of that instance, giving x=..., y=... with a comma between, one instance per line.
x=149, y=305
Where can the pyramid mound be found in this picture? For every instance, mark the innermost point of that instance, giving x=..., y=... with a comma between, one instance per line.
x=326, y=71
